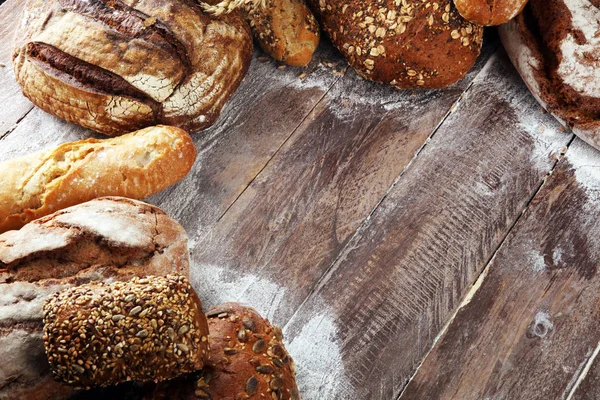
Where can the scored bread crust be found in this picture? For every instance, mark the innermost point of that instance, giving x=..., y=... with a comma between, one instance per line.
x=556, y=50
x=405, y=43
x=120, y=65
x=108, y=239
x=285, y=29
x=489, y=13
x=135, y=165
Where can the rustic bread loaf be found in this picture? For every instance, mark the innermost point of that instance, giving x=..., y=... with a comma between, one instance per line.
x=136, y=165
x=109, y=239
x=121, y=65
x=556, y=48
x=145, y=329
x=489, y=13
x=405, y=43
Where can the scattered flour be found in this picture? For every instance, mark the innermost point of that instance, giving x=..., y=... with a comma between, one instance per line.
x=23, y=301
x=542, y=324
x=536, y=260
x=586, y=162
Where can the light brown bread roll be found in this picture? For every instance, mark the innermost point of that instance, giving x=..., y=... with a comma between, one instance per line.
x=489, y=13
x=136, y=165
x=404, y=43
x=146, y=329
x=117, y=66
x=109, y=239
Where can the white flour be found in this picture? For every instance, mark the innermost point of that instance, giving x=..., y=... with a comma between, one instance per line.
x=586, y=162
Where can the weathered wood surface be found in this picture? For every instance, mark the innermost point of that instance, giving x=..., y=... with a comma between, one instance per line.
x=398, y=281
x=531, y=328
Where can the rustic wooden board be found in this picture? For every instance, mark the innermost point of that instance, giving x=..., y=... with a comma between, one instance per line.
x=398, y=281
x=530, y=329
x=588, y=385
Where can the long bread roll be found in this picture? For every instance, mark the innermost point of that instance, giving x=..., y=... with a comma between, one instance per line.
x=135, y=165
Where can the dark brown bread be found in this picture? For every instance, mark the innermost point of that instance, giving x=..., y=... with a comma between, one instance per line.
x=109, y=239
x=145, y=329
x=556, y=49
x=121, y=65
x=489, y=12
x=405, y=43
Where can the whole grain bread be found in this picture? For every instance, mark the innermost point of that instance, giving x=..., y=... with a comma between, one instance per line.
x=135, y=165
x=489, y=13
x=404, y=43
x=121, y=65
x=108, y=239
x=556, y=49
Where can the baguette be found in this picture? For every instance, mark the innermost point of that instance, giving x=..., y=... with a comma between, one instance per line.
x=136, y=165
x=109, y=239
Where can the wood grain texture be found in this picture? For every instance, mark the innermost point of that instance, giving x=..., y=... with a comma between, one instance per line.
x=288, y=227
x=398, y=281
x=588, y=388
x=14, y=105
x=530, y=329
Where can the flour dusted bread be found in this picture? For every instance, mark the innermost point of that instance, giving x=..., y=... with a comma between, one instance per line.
x=489, y=13
x=145, y=329
x=136, y=165
x=556, y=48
x=121, y=65
x=404, y=43
x=109, y=239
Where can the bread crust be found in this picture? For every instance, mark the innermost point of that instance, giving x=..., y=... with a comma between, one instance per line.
x=120, y=65
x=489, y=12
x=405, y=43
x=135, y=165
x=556, y=51
x=109, y=239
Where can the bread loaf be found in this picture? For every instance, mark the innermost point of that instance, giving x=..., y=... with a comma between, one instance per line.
x=404, y=43
x=556, y=49
x=489, y=13
x=109, y=239
x=145, y=329
x=121, y=65
x=136, y=165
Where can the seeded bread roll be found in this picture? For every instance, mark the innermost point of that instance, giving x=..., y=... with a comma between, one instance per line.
x=556, y=49
x=109, y=239
x=121, y=65
x=146, y=329
x=136, y=165
x=404, y=43
x=489, y=13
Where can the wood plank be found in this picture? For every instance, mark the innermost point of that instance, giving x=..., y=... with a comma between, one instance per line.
x=14, y=104
x=587, y=387
x=530, y=329
x=378, y=310
x=286, y=229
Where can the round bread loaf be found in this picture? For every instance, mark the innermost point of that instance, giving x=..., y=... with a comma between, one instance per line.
x=489, y=13
x=108, y=239
x=145, y=329
x=121, y=65
x=405, y=43
x=556, y=48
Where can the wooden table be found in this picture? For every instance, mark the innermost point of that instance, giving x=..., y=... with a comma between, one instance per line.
x=413, y=244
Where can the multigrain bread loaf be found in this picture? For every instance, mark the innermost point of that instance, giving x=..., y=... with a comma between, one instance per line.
x=121, y=65
x=136, y=165
x=109, y=239
x=405, y=43
x=489, y=13
x=556, y=48
x=145, y=329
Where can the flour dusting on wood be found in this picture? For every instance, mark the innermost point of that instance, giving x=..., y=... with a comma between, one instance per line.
x=586, y=162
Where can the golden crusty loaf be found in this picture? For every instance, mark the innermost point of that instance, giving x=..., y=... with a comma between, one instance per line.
x=146, y=329
x=108, y=239
x=404, y=43
x=120, y=65
x=489, y=13
x=136, y=165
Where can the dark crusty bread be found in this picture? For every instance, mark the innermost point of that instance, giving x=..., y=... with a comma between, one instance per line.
x=405, y=43
x=135, y=165
x=109, y=239
x=121, y=65
x=489, y=12
x=556, y=48
x=145, y=329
